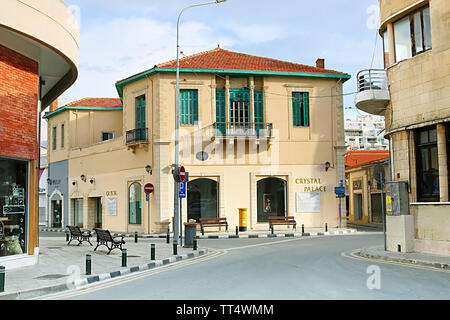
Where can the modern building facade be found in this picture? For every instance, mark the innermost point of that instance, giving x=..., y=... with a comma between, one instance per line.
x=366, y=132
x=256, y=133
x=413, y=94
x=38, y=62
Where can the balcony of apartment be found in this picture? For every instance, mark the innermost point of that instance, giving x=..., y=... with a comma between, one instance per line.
x=373, y=92
x=234, y=130
x=137, y=138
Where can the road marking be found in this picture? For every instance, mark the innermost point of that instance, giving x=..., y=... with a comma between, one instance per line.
x=352, y=255
x=130, y=277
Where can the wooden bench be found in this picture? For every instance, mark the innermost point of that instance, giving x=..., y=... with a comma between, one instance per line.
x=289, y=221
x=105, y=238
x=76, y=233
x=213, y=222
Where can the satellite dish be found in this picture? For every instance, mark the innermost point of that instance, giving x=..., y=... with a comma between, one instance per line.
x=379, y=174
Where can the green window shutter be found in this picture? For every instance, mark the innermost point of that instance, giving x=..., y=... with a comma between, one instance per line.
x=54, y=139
x=140, y=112
x=220, y=110
x=188, y=107
x=258, y=111
x=300, y=109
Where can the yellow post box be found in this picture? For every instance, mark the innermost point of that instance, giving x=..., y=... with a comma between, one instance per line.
x=242, y=219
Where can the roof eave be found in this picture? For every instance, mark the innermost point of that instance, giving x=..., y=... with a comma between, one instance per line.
x=49, y=115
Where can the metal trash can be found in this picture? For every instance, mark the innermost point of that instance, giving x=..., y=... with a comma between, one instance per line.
x=190, y=233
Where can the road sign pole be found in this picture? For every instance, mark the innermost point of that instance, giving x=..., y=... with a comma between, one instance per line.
x=181, y=221
x=382, y=211
x=148, y=214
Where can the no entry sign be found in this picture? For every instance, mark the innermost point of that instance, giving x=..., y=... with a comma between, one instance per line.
x=182, y=174
x=148, y=188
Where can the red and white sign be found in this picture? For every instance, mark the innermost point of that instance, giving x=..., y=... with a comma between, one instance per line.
x=182, y=174
x=148, y=188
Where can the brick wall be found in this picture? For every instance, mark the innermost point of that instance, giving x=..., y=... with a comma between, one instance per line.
x=18, y=105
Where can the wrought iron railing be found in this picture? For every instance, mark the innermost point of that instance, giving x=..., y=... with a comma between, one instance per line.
x=136, y=135
x=372, y=79
x=232, y=129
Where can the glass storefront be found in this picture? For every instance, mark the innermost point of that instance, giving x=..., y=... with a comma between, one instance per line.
x=13, y=206
x=202, y=199
x=271, y=193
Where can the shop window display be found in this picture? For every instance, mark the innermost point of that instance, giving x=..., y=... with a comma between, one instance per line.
x=13, y=206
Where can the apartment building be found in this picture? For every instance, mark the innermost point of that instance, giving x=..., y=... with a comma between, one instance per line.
x=365, y=132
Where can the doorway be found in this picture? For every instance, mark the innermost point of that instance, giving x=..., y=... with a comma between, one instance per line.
x=56, y=214
x=202, y=199
x=77, y=212
x=271, y=197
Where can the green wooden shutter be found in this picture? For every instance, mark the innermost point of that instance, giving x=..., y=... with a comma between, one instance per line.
x=188, y=107
x=220, y=110
x=54, y=139
x=300, y=109
x=258, y=111
x=140, y=112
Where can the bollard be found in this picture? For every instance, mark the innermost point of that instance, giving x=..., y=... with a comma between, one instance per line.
x=271, y=228
x=303, y=228
x=124, y=257
x=237, y=230
x=175, y=249
x=135, y=237
x=168, y=236
x=152, y=251
x=195, y=244
x=326, y=227
x=2, y=279
x=203, y=231
x=67, y=236
x=88, y=264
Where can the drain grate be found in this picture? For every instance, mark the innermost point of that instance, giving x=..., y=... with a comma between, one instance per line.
x=51, y=276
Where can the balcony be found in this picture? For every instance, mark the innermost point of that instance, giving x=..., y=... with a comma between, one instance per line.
x=373, y=92
x=241, y=130
x=137, y=137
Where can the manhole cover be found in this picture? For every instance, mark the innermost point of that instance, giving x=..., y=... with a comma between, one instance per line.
x=51, y=276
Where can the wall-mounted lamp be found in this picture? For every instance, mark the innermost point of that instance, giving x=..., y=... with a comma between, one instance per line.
x=327, y=165
x=74, y=183
x=92, y=180
x=83, y=178
x=148, y=168
x=49, y=181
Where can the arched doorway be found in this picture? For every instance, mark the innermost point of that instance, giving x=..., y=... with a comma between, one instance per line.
x=271, y=197
x=202, y=199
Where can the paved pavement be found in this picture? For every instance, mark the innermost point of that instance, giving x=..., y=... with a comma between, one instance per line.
x=415, y=258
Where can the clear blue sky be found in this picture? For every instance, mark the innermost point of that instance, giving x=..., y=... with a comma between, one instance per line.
x=120, y=38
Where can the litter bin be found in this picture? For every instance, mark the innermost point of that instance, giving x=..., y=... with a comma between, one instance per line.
x=190, y=233
x=242, y=219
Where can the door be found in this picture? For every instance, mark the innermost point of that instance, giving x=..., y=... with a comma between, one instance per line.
x=56, y=214
x=240, y=111
x=357, y=206
x=77, y=212
x=202, y=199
x=271, y=198
x=98, y=213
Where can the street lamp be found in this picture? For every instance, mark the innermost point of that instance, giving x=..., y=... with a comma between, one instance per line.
x=177, y=118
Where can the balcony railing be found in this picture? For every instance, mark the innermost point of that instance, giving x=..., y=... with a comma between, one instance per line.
x=136, y=136
x=373, y=92
x=242, y=130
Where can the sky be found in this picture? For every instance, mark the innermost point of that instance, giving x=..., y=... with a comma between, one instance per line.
x=120, y=38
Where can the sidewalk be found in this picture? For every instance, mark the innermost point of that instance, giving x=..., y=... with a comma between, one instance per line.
x=414, y=258
x=59, y=265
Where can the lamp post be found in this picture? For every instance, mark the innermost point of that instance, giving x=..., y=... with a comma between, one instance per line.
x=177, y=120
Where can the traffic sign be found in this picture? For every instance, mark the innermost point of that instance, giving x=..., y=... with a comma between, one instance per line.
x=339, y=190
x=149, y=188
x=182, y=190
x=182, y=174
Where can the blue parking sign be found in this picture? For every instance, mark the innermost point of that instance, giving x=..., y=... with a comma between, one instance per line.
x=182, y=190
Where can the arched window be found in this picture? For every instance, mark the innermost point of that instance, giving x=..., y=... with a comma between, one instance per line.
x=134, y=203
x=271, y=193
x=202, y=199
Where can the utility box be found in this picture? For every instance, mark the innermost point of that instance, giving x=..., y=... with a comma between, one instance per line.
x=397, y=198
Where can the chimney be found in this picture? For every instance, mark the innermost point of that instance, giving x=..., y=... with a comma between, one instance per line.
x=54, y=105
x=320, y=63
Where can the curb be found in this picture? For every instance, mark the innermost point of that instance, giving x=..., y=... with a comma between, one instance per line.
x=437, y=265
x=277, y=235
x=33, y=293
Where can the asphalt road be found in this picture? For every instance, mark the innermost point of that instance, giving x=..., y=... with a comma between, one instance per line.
x=278, y=269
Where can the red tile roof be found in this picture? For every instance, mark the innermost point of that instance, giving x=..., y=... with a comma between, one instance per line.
x=97, y=102
x=354, y=159
x=224, y=59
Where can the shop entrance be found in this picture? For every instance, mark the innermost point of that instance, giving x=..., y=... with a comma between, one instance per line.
x=95, y=212
x=271, y=197
x=202, y=199
x=56, y=214
x=357, y=206
x=77, y=212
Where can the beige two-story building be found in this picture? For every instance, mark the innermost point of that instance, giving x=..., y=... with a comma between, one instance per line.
x=413, y=94
x=255, y=133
